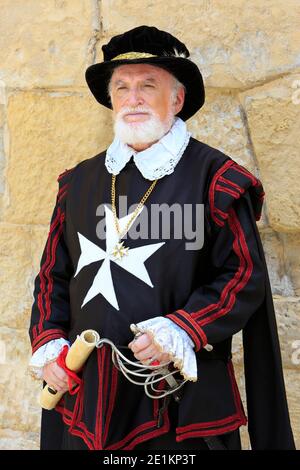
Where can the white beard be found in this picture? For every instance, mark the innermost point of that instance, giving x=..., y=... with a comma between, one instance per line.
x=151, y=130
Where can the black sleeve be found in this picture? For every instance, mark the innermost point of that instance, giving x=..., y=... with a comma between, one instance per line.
x=222, y=307
x=51, y=308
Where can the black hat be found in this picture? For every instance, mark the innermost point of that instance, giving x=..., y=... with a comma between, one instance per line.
x=149, y=45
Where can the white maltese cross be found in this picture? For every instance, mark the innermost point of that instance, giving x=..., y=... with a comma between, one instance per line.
x=132, y=260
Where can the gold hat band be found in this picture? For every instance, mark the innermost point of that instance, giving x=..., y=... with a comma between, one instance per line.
x=134, y=55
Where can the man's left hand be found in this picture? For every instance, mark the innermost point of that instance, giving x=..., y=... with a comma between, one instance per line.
x=145, y=350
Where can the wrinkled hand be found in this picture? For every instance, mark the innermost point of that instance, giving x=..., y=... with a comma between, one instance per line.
x=146, y=351
x=56, y=377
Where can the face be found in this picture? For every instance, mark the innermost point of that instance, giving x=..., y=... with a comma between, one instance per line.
x=143, y=103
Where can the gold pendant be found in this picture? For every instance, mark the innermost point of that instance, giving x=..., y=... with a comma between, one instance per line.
x=120, y=250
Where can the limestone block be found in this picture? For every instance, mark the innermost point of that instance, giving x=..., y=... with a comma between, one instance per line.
x=19, y=393
x=281, y=282
x=292, y=383
x=291, y=244
x=273, y=115
x=220, y=124
x=15, y=274
x=234, y=43
x=287, y=310
x=37, y=243
x=46, y=43
x=287, y=315
x=16, y=440
x=2, y=144
x=49, y=132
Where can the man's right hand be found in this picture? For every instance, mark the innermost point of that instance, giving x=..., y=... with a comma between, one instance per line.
x=55, y=377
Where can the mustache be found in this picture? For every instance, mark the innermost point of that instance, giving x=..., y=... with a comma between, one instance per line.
x=139, y=109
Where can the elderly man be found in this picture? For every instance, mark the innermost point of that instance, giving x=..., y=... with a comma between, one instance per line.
x=120, y=270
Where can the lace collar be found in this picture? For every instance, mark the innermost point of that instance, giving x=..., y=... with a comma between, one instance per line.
x=156, y=161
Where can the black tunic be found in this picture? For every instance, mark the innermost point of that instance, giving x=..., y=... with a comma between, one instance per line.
x=212, y=292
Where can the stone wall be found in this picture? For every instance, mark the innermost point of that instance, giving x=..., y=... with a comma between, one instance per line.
x=249, y=55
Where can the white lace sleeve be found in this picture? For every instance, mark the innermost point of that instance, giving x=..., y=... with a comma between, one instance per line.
x=44, y=355
x=173, y=340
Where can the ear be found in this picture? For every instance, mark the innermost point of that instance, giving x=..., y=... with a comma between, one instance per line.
x=179, y=100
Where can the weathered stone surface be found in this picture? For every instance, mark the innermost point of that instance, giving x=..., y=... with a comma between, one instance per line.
x=235, y=43
x=49, y=132
x=2, y=140
x=15, y=275
x=287, y=315
x=292, y=383
x=291, y=246
x=287, y=311
x=220, y=124
x=273, y=117
x=19, y=408
x=17, y=440
x=48, y=43
x=281, y=280
x=37, y=244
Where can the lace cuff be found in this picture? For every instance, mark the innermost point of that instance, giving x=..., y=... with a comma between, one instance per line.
x=44, y=355
x=173, y=340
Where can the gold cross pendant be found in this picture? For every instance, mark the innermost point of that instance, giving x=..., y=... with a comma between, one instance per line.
x=120, y=250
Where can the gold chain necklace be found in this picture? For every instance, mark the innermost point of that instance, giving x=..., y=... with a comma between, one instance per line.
x=120, y=250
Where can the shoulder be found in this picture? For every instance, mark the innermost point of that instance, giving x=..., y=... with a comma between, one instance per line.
x=227, y=181
x=205, y=155
x=65, y=178
x=88, y=165
x=231, y=182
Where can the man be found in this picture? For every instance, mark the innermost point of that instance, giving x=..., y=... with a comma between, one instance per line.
x=187, y=301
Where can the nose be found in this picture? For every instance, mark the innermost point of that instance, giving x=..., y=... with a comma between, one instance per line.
x=134, y=98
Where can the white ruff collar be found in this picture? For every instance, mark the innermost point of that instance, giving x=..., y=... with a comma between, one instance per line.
x=157, y=160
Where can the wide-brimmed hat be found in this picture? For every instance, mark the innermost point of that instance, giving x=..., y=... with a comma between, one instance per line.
x=149, y=45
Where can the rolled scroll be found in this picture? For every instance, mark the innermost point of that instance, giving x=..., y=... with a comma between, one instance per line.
x=76, y=357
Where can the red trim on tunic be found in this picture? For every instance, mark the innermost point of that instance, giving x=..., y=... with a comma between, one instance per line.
x=92, y=440
x=240, y=278
x=64, y=173
x=50, y=260
x=235, y=284
x=54, y=224
x=196, y=333
x=62, y=193
x=155, y=433
x=195, y=325
x=224, y=215
x=45, y=340
x=50, y=283
x=236, y=393
x=209, y=424
x=132, y=439
x=190, y=331
x=210, y=432
x=84, y=434
x=100, y=405
x=230, y=290
x=112, y=398
x=246, y=173
x=211, y=193
x=46, y=336
x=143, y=427
x=221, y=426
x=239, y=188
x=223, y=189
